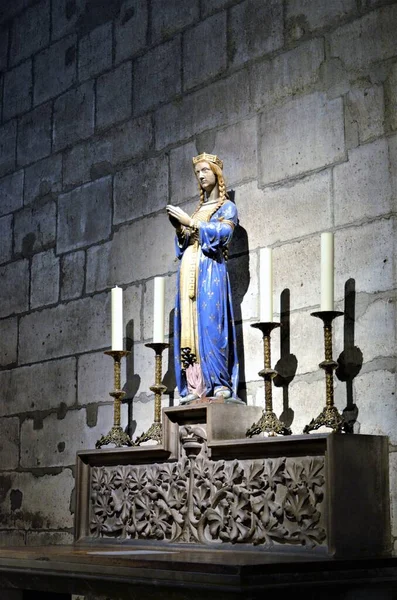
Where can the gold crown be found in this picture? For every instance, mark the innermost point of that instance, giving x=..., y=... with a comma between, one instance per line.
x=208, y=157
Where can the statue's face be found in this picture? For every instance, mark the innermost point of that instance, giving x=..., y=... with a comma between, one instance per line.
x=205, y=176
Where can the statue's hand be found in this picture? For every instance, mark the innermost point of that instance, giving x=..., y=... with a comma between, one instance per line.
x=178, y=215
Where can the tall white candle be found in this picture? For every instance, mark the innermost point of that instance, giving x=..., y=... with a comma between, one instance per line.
x=158, y=310
x=266, y=285
x=117, y=318
x=327, y=271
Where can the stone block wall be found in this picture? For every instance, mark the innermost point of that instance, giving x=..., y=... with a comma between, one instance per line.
x=102, y=107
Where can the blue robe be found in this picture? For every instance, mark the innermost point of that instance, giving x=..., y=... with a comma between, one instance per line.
x=215, y=322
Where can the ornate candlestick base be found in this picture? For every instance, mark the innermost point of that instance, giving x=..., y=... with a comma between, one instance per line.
x=116, y=435
x=268, y=423
x=329, y=416
x=155, y=431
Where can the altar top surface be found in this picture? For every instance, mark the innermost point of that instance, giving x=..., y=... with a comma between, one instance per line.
x=155, y=568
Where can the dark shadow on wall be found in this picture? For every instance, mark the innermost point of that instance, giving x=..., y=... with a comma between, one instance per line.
x=133, y=380
x=239, y=274
x=351, y=358
x=169, y=376
x=288, y=363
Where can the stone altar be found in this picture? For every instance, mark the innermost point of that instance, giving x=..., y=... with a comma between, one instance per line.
x=208, y=485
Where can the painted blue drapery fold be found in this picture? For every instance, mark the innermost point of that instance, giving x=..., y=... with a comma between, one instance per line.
x=216, y=329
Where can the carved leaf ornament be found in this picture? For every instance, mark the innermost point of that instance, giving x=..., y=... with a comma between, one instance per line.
x=258, y=502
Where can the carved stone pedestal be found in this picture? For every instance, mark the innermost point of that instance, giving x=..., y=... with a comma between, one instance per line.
x=209, y=486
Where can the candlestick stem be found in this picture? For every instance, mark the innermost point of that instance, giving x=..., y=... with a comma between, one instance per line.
x=268, y=423
x=329, y=416
x=116, y=435
x=155, y=431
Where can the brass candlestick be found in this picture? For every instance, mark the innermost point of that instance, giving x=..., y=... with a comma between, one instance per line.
x=116, y=435
x=155, y=431
x=329, y=416
x=268, y=423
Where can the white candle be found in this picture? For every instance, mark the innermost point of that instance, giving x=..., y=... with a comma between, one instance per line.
x=266, y=286
x=158, y=310
x=327, y=271
x=117, y=318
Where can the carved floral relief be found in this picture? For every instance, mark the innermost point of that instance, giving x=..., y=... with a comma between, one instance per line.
x=259, y=502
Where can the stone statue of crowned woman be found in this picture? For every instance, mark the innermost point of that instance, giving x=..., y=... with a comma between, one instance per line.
x=206, y=363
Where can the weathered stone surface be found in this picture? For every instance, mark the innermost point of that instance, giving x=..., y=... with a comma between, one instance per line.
x=374, y=330
x=95, y=52
x=393, y=167
x=296, y=266
x=98, y=157
x=148, y=299
x=250, y=352
x=304, y=16
x=375, y=394
x=393, y=490
x=157, y=75
x=366, y=40
x=98, y=267
x=183, y=183
x=24, y=493
x=372, y=271
x=302, y=135
x=43, y=179
x=55, y=69
x=362, y=186
x=243, y=274
x=391, y=98
x=4, y=33
x=72, y=275
x=225, y=102
x=310, y=195
x=8, y=341
x=131, y=240
x=114, y=96
x=84, y=215
x=141, y=189
x=303, y=326
x=286, y=74
x=365, y=112
x=34, y=135
x=256, y=28
x=210, y=6
x=213, y=54
x=8, y=141
x=74, y=116
x=144, y=367
x=237, y=147
x=65, y=15
x=14, y=288
x=17, y=90
x=132, y=316
x=31, y=31
x=79, y=326
x=50, y=385
x=12, y=538
x=131, y=29
x=95, y=378
x=11, y=192
x=44, y=287
x=179, y=14
x=5, y=238
x=262, y=213
x=306, y=399
x=9, y=443
x=35, y=228
x=50, y=538
x=56, y=443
